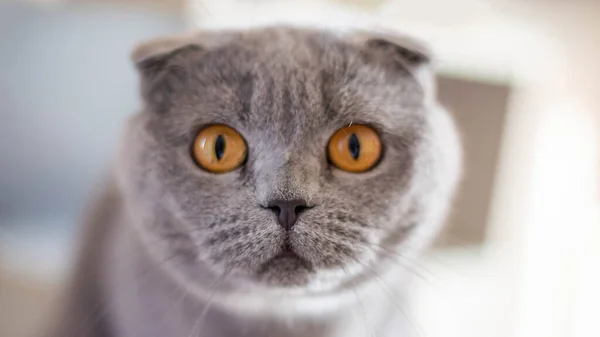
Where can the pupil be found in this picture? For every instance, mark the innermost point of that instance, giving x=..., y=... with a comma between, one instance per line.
x=354, y=146
x=219, y=147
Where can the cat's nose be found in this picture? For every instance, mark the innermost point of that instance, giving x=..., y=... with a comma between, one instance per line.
x=287, y=211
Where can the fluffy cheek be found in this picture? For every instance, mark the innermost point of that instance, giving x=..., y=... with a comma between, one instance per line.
x=230, y=231
x=336, y=242
x=328, y=246
x=239, y=242
x=203, y=221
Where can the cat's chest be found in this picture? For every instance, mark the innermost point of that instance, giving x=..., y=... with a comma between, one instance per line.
x=146, y=308
x=144, y=302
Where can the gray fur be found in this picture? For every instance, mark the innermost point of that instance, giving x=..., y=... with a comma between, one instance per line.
x=204, y=242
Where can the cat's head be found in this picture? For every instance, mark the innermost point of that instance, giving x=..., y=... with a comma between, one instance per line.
x=269, y=196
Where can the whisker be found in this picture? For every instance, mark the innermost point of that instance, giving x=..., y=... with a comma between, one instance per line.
x=362, y=307
x=430, y=254
x=185, y=294
x=446, y=236
x=447, y=266
x=416, y=328
x=413, y=262
x=215, y=288
x=435, y=287
x=391, y=253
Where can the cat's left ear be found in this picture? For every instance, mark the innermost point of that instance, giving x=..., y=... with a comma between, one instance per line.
x=161, y=65
x=409, y=53
x=151, y=57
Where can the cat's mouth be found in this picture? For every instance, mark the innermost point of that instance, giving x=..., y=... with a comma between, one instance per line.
x=286, y=269
x=287, y=252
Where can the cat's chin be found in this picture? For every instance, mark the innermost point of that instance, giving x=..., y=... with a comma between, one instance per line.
x=286, y=269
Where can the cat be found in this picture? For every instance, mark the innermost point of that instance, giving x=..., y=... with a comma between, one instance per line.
x=288, y=240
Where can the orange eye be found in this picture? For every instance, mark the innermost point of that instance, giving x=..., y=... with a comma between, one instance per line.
x=219, y=149
x=355, y=148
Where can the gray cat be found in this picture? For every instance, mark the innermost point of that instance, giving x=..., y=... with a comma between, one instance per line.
x=278, y=182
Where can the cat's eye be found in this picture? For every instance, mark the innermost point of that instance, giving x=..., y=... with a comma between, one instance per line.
x=219, y=149
x=355, y=148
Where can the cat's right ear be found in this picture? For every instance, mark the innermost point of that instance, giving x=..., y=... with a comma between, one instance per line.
x=161, y=64
x=396, y=48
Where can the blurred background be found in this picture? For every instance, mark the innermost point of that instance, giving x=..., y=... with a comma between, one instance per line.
x=521, y=253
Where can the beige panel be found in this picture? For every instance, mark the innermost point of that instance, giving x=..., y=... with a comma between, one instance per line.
x=479, y=109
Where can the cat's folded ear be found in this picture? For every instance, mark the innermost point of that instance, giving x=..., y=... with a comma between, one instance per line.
x=151, y=56
x=161, y=64
x=409, y=53
x=157, y=51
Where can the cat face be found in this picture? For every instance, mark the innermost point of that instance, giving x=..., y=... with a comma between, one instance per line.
x=285, y=92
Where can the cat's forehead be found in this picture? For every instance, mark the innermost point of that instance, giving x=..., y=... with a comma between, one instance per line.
x=293, y=84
